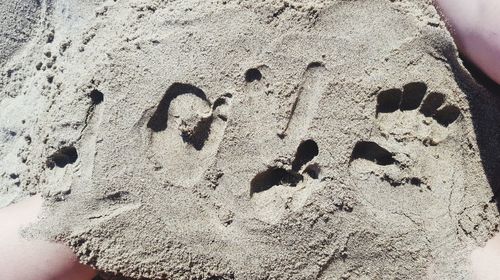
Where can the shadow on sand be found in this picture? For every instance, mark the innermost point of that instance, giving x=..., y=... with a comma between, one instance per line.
x=483, y=95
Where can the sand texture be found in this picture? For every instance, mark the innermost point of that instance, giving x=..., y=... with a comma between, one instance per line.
x=227, y=139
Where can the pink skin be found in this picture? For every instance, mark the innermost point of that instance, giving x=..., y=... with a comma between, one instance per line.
x=22, y=259
x=485, y=261
x=475, y=26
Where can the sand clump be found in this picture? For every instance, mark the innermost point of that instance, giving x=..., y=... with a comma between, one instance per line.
x=251, y=140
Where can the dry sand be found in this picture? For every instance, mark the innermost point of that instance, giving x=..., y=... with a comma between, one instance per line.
x=227, y=139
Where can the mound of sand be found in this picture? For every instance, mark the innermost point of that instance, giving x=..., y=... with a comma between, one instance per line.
x=252, y=139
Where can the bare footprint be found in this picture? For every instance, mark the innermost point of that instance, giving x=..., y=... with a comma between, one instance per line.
x=397, y=114
x=286, y=185
x=408, y=121
x=287, y=182
x=188, y=127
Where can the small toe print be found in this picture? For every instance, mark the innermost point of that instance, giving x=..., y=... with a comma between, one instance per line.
x=447, y=115
x=373, y=152
x=63, y=157
x=252, y=75
x=313, y=170
x=306, y=151
x=413, y=94
x=431, y=103
x=96, y=97
x=388, y=101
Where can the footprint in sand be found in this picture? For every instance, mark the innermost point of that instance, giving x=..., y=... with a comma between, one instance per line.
x=288, y=177
x=286, y=183
x=412, y=120
x=188, y=127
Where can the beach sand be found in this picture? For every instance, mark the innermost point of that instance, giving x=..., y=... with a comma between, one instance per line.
x=242, y=139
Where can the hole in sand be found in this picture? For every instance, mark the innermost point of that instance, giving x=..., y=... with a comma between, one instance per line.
x=415, y=181
x=306, y=151
x=159, y=120
x=313, y=171
x=63, y=157
x=273, y=177
x=221, y=100
x=447, y=115
x=253, y=74
x=96, y=97
x=315, y=64
x=197, y=135
x=431, y=103
x=413, y=94
x=373, y=152
x=388, y=101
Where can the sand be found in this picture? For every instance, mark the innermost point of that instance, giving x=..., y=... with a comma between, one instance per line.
x=264, y=139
